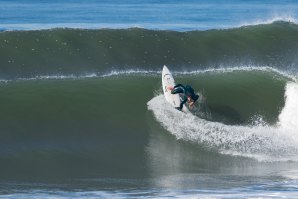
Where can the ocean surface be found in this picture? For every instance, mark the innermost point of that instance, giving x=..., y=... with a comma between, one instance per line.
x=82, y=113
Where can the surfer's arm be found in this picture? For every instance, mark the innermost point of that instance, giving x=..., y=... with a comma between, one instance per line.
x=191, y=104
x=179, y=85
x=173, y=87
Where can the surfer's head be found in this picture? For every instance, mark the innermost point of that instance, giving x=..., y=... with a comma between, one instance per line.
x=195, y=97
x=192, y=98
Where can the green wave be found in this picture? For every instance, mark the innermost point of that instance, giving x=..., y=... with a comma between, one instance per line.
x=26, y=54
x=90, y=124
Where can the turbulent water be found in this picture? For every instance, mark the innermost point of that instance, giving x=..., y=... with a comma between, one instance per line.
x=83, y=115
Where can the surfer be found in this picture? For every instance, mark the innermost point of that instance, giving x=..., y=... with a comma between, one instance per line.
x=189, y=94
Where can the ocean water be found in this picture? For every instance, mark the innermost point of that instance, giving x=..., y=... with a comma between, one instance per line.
x=83, y=115
x=149, y=14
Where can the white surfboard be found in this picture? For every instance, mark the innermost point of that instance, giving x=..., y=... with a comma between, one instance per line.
x=168, y=81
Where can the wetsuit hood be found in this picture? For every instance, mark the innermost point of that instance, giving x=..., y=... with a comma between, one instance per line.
x=195, y=97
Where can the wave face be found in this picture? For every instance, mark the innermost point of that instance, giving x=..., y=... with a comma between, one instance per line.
x=27, y=54
x=101, y=126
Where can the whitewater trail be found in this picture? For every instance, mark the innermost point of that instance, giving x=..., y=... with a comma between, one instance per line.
x=262, y=142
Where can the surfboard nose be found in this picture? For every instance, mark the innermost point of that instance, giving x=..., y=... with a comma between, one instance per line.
x=165, y=69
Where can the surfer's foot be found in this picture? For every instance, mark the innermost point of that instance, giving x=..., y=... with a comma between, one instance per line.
x=178, y=108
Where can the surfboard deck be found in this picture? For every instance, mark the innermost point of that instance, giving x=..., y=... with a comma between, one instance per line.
x=168, y=81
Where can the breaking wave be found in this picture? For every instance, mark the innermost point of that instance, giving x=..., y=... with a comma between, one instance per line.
x=262, y=141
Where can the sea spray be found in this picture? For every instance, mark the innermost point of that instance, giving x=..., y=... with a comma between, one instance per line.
x=265, y=143
x=288, y=118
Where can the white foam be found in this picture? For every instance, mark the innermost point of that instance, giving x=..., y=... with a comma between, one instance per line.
x=212, y=70
x=223, y=69
x=138, y=71
x=264, y=143
x=86, y=76
x=288, y=119
x=129, y=72
x=274, y=18
x=49, y=77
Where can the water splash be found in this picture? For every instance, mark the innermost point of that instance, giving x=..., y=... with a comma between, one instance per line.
x=262, y=142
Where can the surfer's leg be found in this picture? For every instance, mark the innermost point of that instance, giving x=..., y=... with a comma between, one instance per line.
x=182, y=103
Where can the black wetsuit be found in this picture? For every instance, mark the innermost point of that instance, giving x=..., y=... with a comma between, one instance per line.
x=187, y=90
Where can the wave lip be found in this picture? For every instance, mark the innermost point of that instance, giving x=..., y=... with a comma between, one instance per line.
x=180, y=27
x=271, y=20
x=90, y=26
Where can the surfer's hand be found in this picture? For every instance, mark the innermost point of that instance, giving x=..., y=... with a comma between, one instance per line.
x=170, y=88
x=191, y=104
